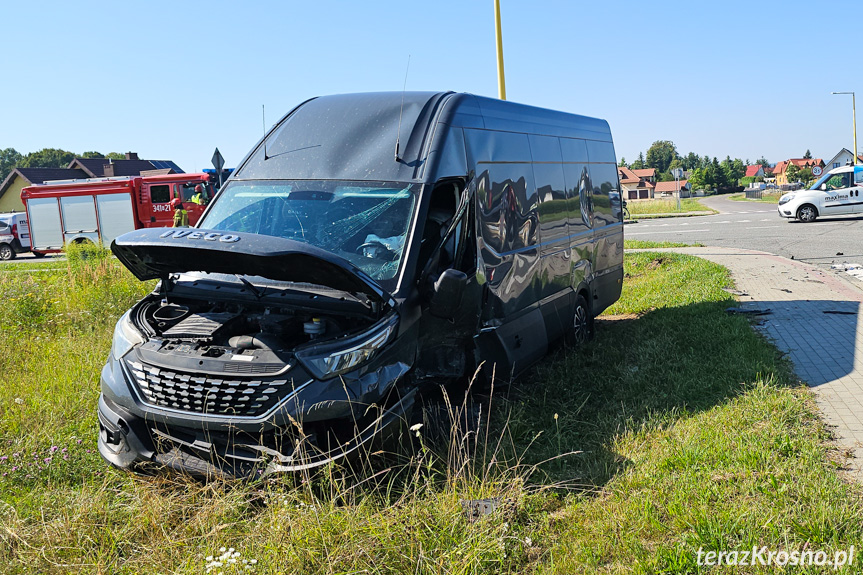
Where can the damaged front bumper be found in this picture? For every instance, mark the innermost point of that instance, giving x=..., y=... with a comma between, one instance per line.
x=314, y=423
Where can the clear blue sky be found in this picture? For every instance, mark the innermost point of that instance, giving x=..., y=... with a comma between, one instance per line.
x=173, y=80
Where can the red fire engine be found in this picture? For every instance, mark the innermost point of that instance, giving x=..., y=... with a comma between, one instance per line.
x=100, y=209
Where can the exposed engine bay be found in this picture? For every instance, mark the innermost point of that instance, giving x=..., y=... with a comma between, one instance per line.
x=230, y=337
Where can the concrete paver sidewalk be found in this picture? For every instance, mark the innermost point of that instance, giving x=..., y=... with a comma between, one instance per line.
x=815, y=318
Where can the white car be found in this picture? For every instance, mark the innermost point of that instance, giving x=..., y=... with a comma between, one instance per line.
x=14, y=235
x=839, y=192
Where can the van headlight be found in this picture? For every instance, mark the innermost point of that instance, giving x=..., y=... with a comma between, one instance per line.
x=330, y=359
x=126, y=336
x=786, y=198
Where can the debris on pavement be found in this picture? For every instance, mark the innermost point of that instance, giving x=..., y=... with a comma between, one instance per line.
x=741, y=311
x=735, y=291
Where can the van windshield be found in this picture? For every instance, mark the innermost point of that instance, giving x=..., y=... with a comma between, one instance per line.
x=365, y=223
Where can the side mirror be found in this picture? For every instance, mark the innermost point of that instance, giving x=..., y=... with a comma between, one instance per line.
x=448, y=291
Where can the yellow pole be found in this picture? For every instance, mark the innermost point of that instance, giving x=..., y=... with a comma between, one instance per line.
x=854, y=120
x=501, y=83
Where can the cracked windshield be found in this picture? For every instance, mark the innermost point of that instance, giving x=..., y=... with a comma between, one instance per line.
x=364, y=223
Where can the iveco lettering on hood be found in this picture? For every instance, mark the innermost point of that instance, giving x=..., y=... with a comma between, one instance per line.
x=338, y=275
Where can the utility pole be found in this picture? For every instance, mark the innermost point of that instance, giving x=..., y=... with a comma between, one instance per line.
x=853, y=121
x=501, y=83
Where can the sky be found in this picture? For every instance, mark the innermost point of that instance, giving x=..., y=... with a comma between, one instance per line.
x=174, y=80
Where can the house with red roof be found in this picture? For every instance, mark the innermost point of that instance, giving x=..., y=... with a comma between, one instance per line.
x=756, y=171
x=669, y=189
x=637, y=184
x=781, y=168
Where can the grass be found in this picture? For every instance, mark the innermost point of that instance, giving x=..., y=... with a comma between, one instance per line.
x=647, y=244
x=765, y=198
x=649, y=207
x=32, y=264
x=689, y=430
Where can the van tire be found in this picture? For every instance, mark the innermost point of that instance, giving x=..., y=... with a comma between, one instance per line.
x=6, y=252
x=807, y=213
x=581, y=330
x=39, y=255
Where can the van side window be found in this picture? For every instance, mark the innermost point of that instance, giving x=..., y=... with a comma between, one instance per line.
x=507, y=203
x=839, y=181
x=160, y=194
x=606, y=197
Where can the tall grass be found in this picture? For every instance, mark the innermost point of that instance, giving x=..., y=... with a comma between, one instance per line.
x=677, y=427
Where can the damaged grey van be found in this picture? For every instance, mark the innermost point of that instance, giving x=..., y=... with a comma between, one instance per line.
x=369, y=246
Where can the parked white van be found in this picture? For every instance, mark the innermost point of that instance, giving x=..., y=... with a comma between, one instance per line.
x=837, y=193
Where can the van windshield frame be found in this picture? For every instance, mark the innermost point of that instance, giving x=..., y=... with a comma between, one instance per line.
x=365, y=223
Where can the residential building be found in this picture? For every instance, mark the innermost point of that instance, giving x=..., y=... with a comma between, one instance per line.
x=843, y=158
x=780, y=170
x=756, y=171
x=20, y=178
x=637, y=184
x=669, y=189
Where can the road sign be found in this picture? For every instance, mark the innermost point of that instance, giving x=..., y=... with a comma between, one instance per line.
x=677, y=173
x=218, y=161
x=816, y=170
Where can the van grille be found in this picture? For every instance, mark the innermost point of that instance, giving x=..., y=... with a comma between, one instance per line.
x=206, y=395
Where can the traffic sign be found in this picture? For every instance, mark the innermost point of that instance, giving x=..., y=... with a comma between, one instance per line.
x=816, y=170
x=218, y=161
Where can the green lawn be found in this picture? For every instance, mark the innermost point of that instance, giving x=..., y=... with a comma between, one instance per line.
x=684, y=429
x=647, y=244
x=765, y=198
x=648, y=207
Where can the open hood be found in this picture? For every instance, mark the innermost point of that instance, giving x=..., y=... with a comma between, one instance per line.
x=153, y=253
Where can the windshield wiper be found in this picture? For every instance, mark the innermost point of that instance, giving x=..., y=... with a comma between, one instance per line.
x=259, y=293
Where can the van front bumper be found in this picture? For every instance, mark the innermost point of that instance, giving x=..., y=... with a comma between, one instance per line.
x=300, y=435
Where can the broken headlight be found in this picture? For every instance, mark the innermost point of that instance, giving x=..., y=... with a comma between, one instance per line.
x=125, y=337
x=330, y=359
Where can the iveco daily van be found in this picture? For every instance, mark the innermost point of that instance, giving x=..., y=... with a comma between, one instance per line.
x=368, y=246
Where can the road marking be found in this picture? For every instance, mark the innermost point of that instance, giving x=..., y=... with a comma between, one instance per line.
x=665, y=232
x=762, y=227
x=767, y=220
x=743, y=221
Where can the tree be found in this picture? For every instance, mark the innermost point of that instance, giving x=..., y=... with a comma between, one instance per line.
x=720, y=179
x=639, y=163
x=9, y=158
x=660, y=155
x=807, y=155
x=92, y=155
x=115, y=156
x=622, y=163
x=47, y=158
x=792, y=173
x=763, y=162
x=692, y=161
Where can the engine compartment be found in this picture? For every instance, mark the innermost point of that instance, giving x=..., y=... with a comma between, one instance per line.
x=230, y=337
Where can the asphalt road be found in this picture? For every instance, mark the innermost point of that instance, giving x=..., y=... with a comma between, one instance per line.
x=758, y=226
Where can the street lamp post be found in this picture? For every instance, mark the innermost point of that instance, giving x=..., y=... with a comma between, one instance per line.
x=853, y=120
x=501, y=83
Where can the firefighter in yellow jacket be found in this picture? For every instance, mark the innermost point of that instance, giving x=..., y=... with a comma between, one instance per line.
x=181, y=216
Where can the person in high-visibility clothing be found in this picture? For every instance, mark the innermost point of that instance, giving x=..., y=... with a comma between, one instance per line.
x=199, y=197
x=181, y=216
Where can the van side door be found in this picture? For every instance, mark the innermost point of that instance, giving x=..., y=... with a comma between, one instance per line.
x=836, y=196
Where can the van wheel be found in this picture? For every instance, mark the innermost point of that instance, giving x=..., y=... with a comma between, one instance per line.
x=807, y=213
x=39, y=255
x=582, y=323
x=6, y=252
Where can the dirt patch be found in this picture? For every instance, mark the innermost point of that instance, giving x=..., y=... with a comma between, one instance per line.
x=656, y=264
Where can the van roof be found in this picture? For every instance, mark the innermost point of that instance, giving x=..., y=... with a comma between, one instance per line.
x=353, y=136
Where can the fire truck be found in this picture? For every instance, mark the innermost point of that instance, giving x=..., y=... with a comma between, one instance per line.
x=100, y=209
